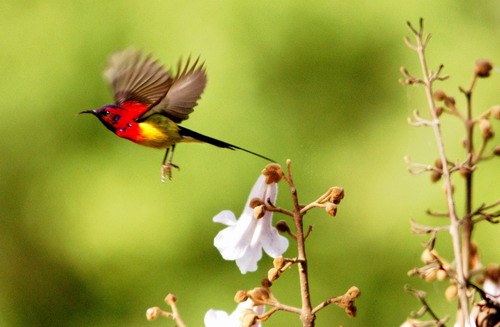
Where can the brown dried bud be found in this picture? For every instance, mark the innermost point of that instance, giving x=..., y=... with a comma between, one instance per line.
x=153, y=313
x=439, y=95
x=282, y=226
x=441, y=275
x=331, y=209
x=240, y=296
x=435, y=176
x=279, y=262
x=265, y=282
x=483, y=67
x=259, y=295
x=337, y=194
x=496, y=151
x=449, y=102
x=255, y=202
x=248, y=318
x=259, y=211
x=486, y=128
x=273, y=172
x=451, y=292
x=495, y=112
x=474, y=262
x=273, y=274
x=439, y=111
x=438, y=163
x=170, y=299
x=464, y=171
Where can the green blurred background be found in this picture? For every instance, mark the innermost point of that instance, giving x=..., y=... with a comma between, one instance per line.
x=89, y=236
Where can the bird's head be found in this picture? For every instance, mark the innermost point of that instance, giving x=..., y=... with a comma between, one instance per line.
x=108, y=115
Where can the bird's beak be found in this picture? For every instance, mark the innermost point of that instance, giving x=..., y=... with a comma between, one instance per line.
x=87, y=112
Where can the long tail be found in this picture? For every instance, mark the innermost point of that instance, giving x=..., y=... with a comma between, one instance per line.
x=221, y=144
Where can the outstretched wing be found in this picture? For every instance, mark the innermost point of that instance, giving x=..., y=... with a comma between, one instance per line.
x=184, y=93
x=135, y=77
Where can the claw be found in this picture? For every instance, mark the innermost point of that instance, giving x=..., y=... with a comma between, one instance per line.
x=166, y=170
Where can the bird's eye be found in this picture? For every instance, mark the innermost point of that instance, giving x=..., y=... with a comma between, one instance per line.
x=106, y=113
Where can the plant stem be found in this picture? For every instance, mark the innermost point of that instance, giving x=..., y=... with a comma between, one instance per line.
x=467, y=223
x=306, y=316
x=454, y=222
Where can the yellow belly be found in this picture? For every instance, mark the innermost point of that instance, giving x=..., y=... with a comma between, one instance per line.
x=158, y=136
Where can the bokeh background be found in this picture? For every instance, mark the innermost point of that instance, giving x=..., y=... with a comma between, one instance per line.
x=89, y=236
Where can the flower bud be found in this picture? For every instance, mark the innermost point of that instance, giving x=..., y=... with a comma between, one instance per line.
x=337, y=194
x=451, y=292
x=431, y=275
x=273, y=172
x=248, y=318
x=495, y=112
x=282, y=226
x=439, y=95
x=483, y=67
x=496, y=151
x=441, y=275
x=259, y=295
x=255, y=202
x=449, y=102
x=278, y=262
x=153, y=313
x=464, y=171
x=427, y=256
x=259, y=211
x=273, y=274
x=331, y=209
x=240, y=296
x=170, y=299
x=438, y=163
x=486, y=129
x=266, y=283
x=439, y=111
x=435, y=176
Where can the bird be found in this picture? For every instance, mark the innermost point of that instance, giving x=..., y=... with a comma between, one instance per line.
x=150, y=102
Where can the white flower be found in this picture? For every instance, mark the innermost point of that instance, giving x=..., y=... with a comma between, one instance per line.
x=244, y=239
x=219, y=318
x=492, y=288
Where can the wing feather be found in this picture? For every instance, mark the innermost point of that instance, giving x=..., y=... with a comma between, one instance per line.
x=184, y=93
x=134, y=76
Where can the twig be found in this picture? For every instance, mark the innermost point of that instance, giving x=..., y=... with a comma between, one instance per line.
x=454, y=221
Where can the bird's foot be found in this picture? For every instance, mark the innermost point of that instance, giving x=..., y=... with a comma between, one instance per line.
x=166, y=170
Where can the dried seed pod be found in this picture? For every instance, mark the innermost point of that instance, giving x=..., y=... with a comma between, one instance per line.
x=331, y=209
x=439, y=95
x=482, y=67
x=486, y=128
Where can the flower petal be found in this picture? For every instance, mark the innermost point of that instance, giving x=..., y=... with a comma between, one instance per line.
x=225, y=217
x=217, y=318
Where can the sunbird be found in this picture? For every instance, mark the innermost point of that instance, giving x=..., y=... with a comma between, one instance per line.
x=150, y=103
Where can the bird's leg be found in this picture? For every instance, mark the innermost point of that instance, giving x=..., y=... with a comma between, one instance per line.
x=166, y=169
